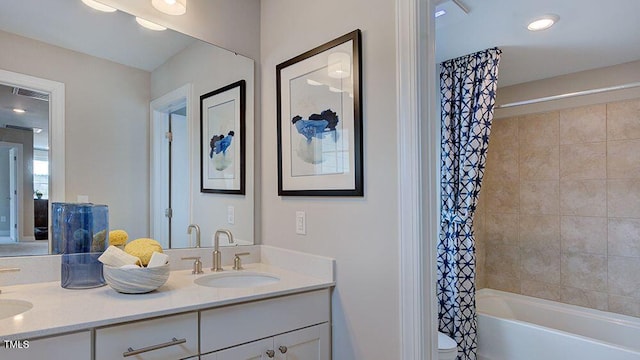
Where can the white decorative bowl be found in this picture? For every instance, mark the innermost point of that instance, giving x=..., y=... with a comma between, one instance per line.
x=136, y=281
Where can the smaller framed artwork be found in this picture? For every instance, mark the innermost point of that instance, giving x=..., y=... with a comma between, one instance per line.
x=222, y=140
x=319, y=121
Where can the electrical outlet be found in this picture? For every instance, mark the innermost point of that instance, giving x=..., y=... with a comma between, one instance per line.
x=301, y=223
x=231, y=214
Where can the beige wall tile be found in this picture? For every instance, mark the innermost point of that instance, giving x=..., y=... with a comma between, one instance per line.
x=624, y=278
x=583, y=124
x=502, y=164
x=623, y=120
x=503, y=282
x=583, y=161
x=584, y=234
x=539, y=197
x=538, y=130
x=502, y=196
x=539, y=231
x=540, y=163
x=623, y=198
x=502, y=229
x=623, y=159
x=624, y=305
x=503, y=259
x=584, y=271
x=504, y=134
x=583, y=197
x=586, y=298
x=624, y=237
x=540, y=290
x=540, y=265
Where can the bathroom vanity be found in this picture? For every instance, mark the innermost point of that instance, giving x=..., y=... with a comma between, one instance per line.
x=182, y=320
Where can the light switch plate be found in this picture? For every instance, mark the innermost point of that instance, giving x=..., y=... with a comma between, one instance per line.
x=301, y=223
x=231, y=214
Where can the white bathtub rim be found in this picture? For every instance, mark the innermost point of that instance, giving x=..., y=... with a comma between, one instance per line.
x=563, y=333
x=569, y=308
x=598, y=314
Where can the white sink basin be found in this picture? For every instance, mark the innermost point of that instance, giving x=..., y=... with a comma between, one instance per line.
x=237, y=280
x=9, y=308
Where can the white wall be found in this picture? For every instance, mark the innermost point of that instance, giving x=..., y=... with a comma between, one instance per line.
x=360, y=233
x=209, y=68
x=106, y=126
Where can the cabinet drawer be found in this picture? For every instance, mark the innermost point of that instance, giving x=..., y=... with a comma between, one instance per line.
x=237, y=324
x=75, y=346
x=171, y=337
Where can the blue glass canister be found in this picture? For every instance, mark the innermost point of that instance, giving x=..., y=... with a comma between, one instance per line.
x=80, y=235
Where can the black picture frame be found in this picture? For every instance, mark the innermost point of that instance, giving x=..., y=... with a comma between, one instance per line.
x=320, y=87
x=222, y=161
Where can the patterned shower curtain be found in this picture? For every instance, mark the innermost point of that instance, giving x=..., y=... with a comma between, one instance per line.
x=468, y=85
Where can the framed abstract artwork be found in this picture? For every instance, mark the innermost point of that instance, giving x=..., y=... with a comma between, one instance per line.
x=319, y=120
x=222, y=140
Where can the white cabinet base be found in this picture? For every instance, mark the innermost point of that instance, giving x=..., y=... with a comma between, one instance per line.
x=75, y=346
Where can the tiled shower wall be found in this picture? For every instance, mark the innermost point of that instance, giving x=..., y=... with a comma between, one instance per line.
x=559, y=211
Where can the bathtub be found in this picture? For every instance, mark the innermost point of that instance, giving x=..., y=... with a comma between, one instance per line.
x=517, y=327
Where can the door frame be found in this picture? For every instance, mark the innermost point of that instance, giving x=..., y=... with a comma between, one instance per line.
x=418, y=177
x=56, y=91
x=15, y=183
x=159, y=113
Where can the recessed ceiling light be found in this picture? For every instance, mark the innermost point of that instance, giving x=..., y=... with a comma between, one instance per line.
x=543, y=23
x=440, y=13
x=19, y=111
x=150, y=25
x=98, y=6
x=37, y=130
x=170, y=7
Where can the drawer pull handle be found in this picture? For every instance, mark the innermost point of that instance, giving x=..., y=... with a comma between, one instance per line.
x=174, y=341
x=283, y=349
x=271, y=353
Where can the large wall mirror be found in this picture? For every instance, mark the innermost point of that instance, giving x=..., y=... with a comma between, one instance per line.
x=86, y=101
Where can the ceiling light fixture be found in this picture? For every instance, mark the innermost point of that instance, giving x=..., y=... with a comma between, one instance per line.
x=19, y=111
x=170, y=7
x=98, y=6
x=37, y=130
x=440, y=13
x=150, y=25
x=543, y=23
x=313, y=82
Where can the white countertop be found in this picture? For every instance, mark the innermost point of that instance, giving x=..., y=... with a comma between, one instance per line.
x=58, y=310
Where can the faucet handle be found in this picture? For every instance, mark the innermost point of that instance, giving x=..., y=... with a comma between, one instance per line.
x=197, y=264
x=237, y=262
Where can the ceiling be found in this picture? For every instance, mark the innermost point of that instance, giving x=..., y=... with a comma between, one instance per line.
x=72, y=25
x=590, y=34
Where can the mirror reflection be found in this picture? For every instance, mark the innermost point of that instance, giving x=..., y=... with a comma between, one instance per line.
x=126, y=91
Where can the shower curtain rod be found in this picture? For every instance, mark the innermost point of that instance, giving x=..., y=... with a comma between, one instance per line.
x=569, y=95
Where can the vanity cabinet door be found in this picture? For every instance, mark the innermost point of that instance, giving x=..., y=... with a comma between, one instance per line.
x=256, y=350
x=75, y=346
x=311, y=343
x=228, y=326
x=170, y=338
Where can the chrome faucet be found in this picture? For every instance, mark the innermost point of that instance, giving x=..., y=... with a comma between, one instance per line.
x=2, y=270
x=194, y=226
x=217, y=257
